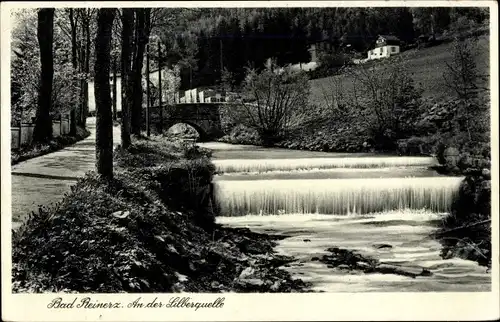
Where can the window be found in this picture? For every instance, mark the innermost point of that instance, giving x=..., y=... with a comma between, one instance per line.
x=393, y=49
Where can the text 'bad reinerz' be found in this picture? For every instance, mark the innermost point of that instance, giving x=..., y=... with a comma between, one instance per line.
x=174, y=302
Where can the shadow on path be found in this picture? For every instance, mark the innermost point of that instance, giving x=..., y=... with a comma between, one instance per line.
x=45, y=176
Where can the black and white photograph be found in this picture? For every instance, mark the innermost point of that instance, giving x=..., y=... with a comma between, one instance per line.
x=245, y=148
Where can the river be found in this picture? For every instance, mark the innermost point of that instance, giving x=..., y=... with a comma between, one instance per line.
x=352, y=201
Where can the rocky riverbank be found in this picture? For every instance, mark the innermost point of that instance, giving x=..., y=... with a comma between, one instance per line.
x=348, y=260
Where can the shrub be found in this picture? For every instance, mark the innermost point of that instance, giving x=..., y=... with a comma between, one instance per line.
x=418, y=146
x=241, y=134
x=466, y=232
x=278, y=102
x=392, y=106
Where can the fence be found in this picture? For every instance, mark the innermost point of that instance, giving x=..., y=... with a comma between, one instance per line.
x=22, y=135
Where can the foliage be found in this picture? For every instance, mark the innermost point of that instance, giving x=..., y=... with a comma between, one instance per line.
x=391, y=104
x=241, y=134
x=332, y=62
x=463, y=78
x=274, y=102
x=170, y=82
x=466, y=232
x=25, y=67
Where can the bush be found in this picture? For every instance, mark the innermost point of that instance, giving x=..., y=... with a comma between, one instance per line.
x=241, y=134
x=466, y=232
x=392, y=106
x=418, y=146
x=275, y=101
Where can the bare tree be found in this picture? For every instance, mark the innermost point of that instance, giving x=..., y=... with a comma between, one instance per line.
x=45, y=34
x=463, y=78
x=390, y=104
x=274, y=102
x=335, y=97
x=104, y=122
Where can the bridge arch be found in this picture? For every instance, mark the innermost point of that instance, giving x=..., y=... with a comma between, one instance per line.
x=202, y=135
x=203, y=117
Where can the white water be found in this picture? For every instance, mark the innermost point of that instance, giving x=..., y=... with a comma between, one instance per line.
x=346, y=201
x=266, y=165
x=334, y=196
x=406, y=231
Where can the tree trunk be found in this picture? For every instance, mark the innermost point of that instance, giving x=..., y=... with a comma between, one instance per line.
x=45, y=34
x=104, y=117
x=160, y=106
x=85, y=111
x=114, y=90
x=74, y=61
x=127, y=95
x=142, y=37
x=148, y=95
x=79, y=117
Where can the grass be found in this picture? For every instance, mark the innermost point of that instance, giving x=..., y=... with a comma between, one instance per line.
x=426, y=65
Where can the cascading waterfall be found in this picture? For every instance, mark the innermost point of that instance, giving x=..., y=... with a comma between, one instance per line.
x=267, y=165
x=334, y=196
x=391, y=201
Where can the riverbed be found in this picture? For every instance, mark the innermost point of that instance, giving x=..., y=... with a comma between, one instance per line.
x=351, y=201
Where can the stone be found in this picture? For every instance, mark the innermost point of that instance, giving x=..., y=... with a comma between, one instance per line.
x=363, y=264
x=404, y=271
x=381, y=246
x=315, y=259
x=451, y=156
x=247, y=272
x=307, y=240
x=253, y=281
x=121, y=214
x=486, y=173
x=343, y=266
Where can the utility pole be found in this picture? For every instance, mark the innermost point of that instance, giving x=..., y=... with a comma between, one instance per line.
x=160, y=128
x=221, y=62
x=148, y=95
x=114, y=89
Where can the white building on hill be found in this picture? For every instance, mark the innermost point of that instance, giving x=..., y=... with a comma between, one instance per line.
x=386, y=46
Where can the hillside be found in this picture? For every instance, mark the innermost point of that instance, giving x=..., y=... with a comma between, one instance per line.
x=427, y=66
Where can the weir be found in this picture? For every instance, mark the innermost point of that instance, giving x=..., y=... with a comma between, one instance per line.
x=267, y=165
x=355, y=202
x=334, y=196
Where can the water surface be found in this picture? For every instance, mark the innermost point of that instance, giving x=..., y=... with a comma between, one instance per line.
x=353, y=201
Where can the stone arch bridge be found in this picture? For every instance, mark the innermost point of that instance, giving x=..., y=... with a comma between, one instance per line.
x=205, y=118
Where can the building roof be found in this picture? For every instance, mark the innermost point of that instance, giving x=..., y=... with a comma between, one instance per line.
x=389, y=37
x=387, y=40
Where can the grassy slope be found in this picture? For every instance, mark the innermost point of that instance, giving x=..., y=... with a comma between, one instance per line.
x=427, y=66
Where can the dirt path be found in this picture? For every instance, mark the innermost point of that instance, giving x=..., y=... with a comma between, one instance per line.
x=45, y=179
